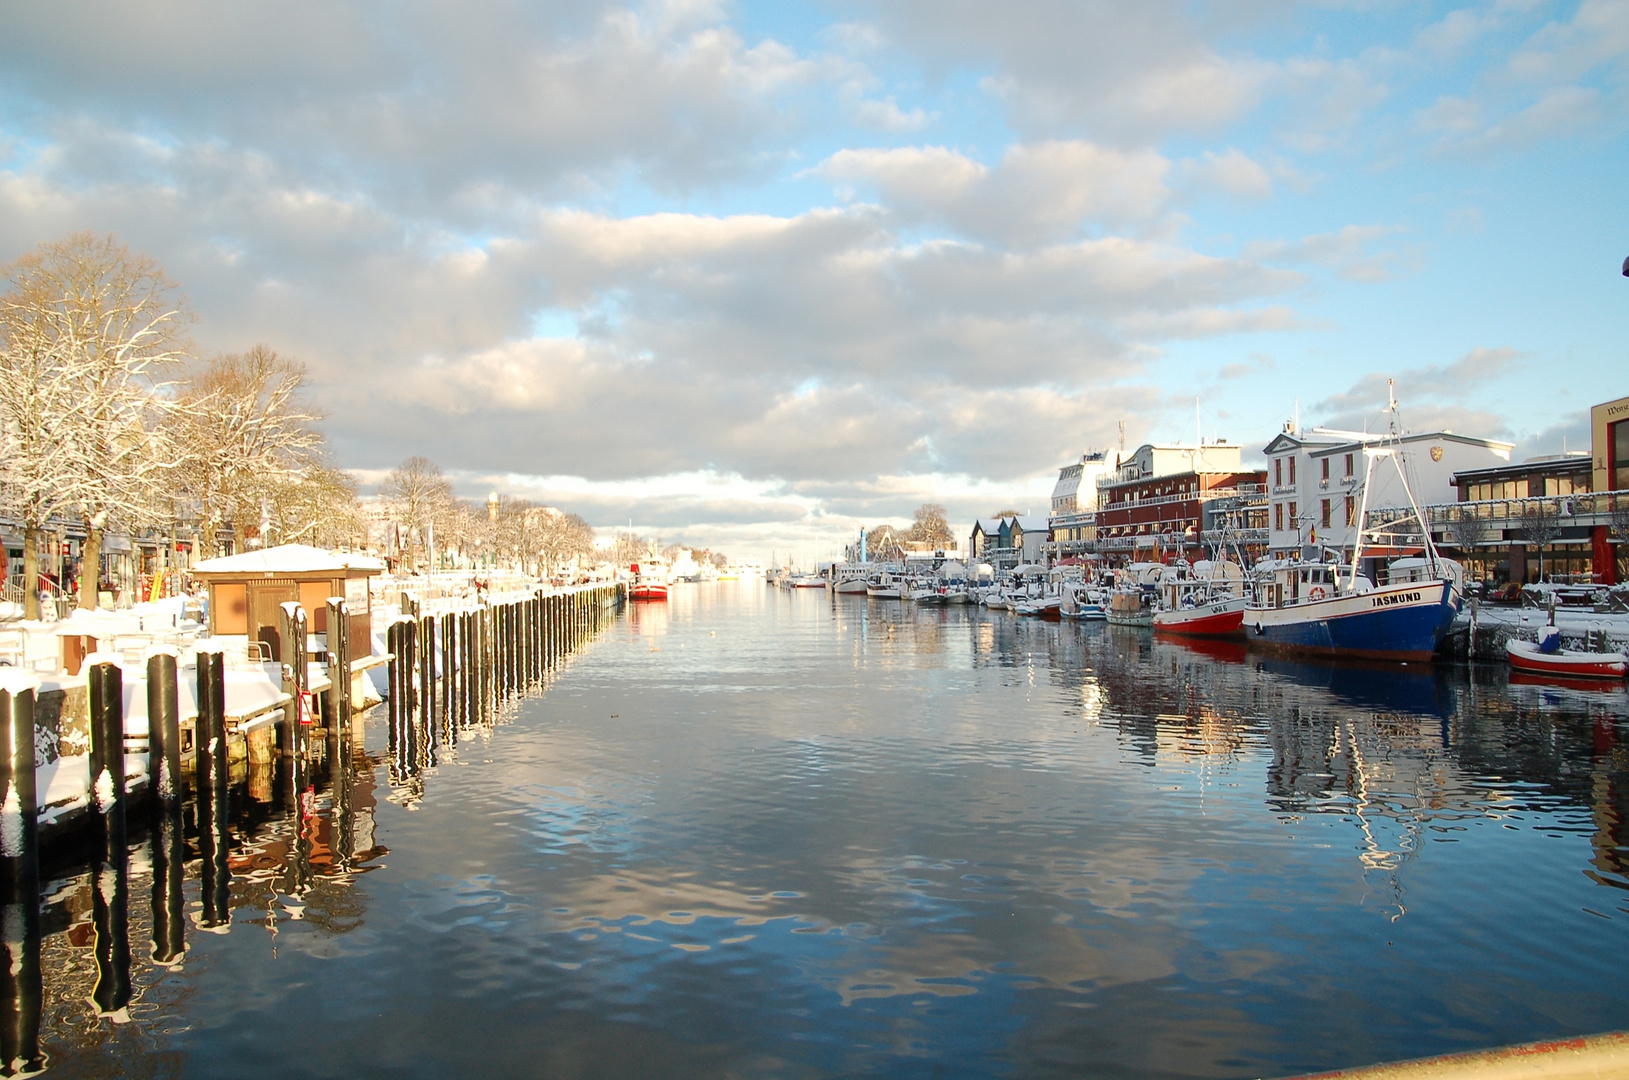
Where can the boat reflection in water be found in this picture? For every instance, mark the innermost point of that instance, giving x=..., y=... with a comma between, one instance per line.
x=786, y=832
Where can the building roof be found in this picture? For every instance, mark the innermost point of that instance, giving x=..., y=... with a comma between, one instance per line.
x=289, y=559
x=1568, y=464
x=1031, y=522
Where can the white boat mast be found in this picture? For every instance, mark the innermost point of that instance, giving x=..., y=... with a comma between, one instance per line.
x=1391, y=452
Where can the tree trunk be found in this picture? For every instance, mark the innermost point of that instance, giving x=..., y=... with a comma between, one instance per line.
x=206, y=540
x=31, y=571
x=90, y=567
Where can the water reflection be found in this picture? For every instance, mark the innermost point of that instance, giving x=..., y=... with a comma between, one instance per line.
x=756, y=832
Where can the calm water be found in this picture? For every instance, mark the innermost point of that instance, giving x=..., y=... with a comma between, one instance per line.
x=754, y=833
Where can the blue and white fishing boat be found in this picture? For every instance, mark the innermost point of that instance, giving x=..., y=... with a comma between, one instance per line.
x=1333, y=609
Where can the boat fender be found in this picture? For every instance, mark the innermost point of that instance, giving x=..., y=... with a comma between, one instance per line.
x=1260, y=632
x=1317, y=593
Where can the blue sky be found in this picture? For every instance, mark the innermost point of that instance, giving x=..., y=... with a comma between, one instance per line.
x=754, y=274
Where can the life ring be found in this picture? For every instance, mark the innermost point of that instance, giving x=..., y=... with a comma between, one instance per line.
x=1317, y=593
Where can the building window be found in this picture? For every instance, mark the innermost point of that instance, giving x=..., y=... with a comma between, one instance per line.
x=1348, y=464
x=1326, y=474
x=1323, y=513
x=1294, y=518
x=1278, y=472
x=1292, y=474
x=1278, y=516
x=1617, y=437
x=1351, y=511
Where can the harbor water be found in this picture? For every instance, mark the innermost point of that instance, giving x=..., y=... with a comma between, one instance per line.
x=752, y=832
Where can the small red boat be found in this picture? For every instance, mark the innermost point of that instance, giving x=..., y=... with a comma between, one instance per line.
x=1223, y=617
x=1526, y=657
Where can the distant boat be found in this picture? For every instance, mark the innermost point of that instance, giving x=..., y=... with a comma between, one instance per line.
x=885, y=586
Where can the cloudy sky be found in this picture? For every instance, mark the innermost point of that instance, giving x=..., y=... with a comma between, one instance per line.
x=750, y=274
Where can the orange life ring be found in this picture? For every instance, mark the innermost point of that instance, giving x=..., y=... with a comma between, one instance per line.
x=1316, y=593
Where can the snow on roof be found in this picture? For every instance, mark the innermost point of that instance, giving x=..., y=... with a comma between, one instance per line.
x=1032, y=522
x=288, y=559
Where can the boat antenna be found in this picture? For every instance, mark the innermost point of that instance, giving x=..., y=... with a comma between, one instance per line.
x=1391, y=406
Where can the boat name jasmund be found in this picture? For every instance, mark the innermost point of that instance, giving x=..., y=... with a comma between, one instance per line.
x=1394, y=598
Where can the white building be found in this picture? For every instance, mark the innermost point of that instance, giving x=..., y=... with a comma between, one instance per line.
x=1072, y=525
x=1315, y=480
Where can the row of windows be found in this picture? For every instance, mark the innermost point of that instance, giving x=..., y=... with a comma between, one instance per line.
x=1279, y=470
x=1526, y=488
x=1325, y=514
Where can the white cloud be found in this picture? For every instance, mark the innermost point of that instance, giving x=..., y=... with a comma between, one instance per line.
x=1231, y=172
x=1038, y=192
x=1348, y=251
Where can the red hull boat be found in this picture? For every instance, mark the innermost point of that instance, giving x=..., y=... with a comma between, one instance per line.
x=1223, y=618
x=1525, y=657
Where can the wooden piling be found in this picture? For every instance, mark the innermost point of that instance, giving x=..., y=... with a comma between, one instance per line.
x=21, y=986
x=110, y=909
x=339, y=659
x=169, y=842
x=212, y=801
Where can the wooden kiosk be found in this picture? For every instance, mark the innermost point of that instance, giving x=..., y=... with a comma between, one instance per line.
x=246, y=592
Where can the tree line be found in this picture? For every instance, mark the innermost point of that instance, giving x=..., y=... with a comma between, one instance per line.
x=107, y=418
x=435, y=521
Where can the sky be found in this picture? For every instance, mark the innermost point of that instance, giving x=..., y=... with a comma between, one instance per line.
x=751, y=275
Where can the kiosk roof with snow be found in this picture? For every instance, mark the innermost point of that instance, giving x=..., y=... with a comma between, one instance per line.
x=246, y=591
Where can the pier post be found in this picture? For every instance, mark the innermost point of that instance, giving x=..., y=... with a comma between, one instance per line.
x=339, y=659
x=483, y=629
x=427, y=678
x=461, y=619
x=393, y=697
x=21, y=985
x=111, y=889
x=296, y=678
x=213, y=793
x=169, y=841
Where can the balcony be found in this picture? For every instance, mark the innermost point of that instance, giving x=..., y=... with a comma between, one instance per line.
x=1243, y=491
x=1507, y=520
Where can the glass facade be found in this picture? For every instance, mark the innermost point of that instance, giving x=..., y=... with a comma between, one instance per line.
x=1618, y=439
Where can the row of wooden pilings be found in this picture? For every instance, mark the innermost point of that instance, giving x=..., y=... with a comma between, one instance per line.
x=447, y=673
x=21, y=983
x=455, y=670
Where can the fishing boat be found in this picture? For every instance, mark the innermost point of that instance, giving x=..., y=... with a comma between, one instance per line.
x=849, y=579
x=1131, y=607
x=647, y=584
x=1079, y=600
x=1546, y=657
x=885, y=586
x=1213, y=616
x=1205, y=600
x=1328, y=608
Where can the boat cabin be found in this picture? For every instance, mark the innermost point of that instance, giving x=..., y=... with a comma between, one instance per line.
x=1285, y=582
x=247, y=591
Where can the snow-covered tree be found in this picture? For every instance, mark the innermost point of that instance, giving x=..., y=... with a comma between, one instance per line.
x=92, y=326
x=421, y=498
x=247, y=436
x=315, y=505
